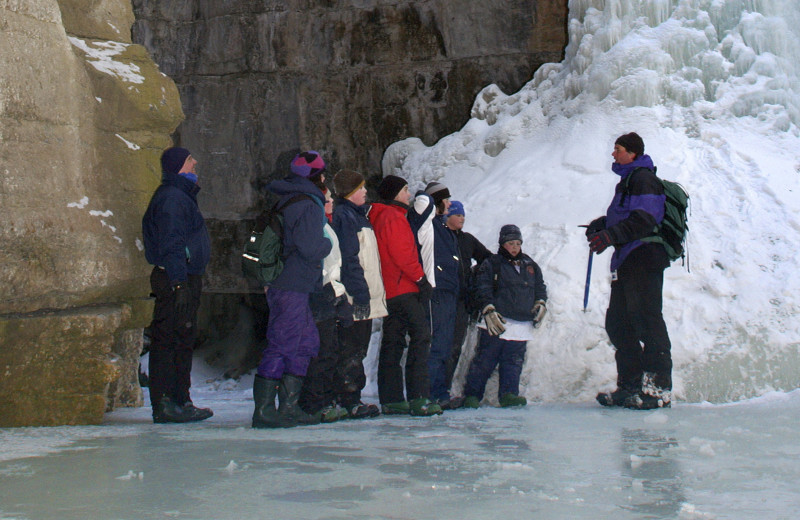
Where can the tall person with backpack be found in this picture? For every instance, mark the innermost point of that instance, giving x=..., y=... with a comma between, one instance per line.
x=634, y=321
x=292, y=337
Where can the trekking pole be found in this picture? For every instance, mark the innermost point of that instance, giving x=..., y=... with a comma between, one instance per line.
x=588, y=279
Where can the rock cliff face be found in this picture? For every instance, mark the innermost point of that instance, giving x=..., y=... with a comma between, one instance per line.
x=259, y=80
x=84, y=115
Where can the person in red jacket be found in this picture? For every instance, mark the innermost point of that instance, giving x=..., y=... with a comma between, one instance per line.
x=407, y=293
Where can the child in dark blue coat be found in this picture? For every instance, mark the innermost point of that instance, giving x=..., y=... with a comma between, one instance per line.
x=512, y=293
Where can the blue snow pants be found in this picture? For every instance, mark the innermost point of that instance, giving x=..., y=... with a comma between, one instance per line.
x=492, y=351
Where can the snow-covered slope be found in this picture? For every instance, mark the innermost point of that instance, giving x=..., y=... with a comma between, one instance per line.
x=712, y=87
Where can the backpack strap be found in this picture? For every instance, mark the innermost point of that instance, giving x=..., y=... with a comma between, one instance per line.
x=495, y=261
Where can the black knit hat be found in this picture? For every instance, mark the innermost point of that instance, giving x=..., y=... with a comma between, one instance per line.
x=347, y=182
x=631, y=142
x=390, y=186
x=438, y=191
x=508, y=233
x=172, y=159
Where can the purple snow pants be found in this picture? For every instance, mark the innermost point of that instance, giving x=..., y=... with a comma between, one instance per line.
x=292, y=338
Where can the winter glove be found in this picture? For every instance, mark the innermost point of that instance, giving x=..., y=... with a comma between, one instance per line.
x=494, y=321
x=360, y=311
x=538, y=311
x=599, y=242
x=425, y=290
x=596, y=225
x=182, y=301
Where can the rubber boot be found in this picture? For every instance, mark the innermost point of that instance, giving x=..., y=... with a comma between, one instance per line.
x=264, y=391
x=289, y=412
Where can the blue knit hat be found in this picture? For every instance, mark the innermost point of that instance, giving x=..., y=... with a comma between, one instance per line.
x=456, y=208
x=307, y=164
x=173, y=158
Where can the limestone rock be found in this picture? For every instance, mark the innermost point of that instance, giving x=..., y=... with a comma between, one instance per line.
x=84, y=115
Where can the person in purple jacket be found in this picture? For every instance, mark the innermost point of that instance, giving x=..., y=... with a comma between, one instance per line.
x=634, y=321
x=292, y=337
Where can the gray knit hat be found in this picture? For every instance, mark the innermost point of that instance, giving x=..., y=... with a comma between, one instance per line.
x=438, y=191
x=508, y=233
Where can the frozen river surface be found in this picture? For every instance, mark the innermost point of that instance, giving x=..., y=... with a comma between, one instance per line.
x=572, y=461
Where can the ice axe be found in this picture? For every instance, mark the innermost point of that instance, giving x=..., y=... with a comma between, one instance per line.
x=588, y=277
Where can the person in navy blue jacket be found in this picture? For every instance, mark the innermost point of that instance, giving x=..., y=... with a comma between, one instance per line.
x=513, y=296
x=292, y=336
x=176, y=243
x=634, y=321
x=438, y=248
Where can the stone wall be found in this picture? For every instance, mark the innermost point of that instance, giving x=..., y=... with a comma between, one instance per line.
x=260, y=80
x=84, y=115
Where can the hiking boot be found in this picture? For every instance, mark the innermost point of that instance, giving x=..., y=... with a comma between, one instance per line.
x=453, y=403
x=265, y=414
x=422, y=406
x=332, y=413
x=510, y=399
x=192, y=413
x=166, y=411
x=615, y=398
x=289, y=412
x=642, y=401
x=400, y=408
x=362, y=411
x=472, y=402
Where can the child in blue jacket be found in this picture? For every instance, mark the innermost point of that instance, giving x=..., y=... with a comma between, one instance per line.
x=512, y=293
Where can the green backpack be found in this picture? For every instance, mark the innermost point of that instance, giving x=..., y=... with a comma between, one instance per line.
x=671, y=233
x=262, y=259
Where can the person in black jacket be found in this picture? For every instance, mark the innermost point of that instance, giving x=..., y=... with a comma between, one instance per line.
x=470, y=249
x=176, y=243
x=512, y=293
x=634, y=321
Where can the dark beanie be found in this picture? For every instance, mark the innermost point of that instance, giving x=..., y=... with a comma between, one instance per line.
x=438, y=191
x=347, y=182
x=508, y=233
x=390, y=186
x=307, y=164
x=631, y=142
x=173, y=158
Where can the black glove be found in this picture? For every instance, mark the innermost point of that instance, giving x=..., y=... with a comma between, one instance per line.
x=360, y=311
x=596, y=225
x=182, y=301
x=425, y=290
x=599, y=242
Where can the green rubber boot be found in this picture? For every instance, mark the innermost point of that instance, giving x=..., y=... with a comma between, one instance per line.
x=264, y=391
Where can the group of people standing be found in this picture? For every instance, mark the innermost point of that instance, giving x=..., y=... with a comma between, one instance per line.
x=409, y=262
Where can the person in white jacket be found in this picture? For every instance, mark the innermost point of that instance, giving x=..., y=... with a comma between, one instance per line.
x=318, y=396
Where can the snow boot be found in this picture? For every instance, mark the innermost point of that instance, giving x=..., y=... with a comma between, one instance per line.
x=166, y=411
x=453, y=403
x=400, y=408
x=362, y=411
x=192, y=413
x=615, y=398
x=510, y=399
x=472, y=402
x=289, y=412
x=332, y=413
x=656, y=392
x=422, y=406
x=265, y=415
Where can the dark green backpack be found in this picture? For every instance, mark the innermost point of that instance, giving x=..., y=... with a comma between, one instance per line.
x=262, y=259
x=671, y=233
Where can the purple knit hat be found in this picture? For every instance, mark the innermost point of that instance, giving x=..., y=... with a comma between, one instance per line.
x=307, y=164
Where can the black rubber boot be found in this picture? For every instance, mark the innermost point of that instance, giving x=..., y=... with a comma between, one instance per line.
x=264, y=391
x=289, y=412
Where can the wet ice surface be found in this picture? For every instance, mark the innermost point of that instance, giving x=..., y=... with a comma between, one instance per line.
x=543, y=461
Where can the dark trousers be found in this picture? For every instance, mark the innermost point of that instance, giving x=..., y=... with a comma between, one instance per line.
x=318, y=386
x=173, y=339
x=492, y=350
x=353, y=346
x=442, y=317
x=636, y=327
x=459, y=334
x=406, y=316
